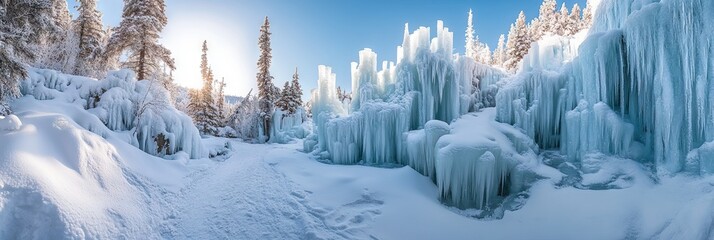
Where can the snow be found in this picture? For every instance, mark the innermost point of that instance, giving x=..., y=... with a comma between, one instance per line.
x=74, y=188
x=89, y=186
x=641, y=79
x=601, y=136
x=120, y=103
x=10, y=123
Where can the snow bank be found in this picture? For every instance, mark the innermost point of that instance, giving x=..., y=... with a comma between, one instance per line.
x=642, y=78
x=58, y=180
x=10, y=123
x=121, y=103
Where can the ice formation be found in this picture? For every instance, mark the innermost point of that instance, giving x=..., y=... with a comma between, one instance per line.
x=287, y=127
x=640, y=86
x=117, y=101
x=398, y=114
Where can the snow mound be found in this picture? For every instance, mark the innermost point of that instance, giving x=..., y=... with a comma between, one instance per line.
x=640, y=86
x=10, y=123
x=59, y=180
x=121, y=104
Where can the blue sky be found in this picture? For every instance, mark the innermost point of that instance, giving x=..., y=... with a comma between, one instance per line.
x=308, y=33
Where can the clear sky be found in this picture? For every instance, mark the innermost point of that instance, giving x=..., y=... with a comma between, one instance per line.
x=308, y=33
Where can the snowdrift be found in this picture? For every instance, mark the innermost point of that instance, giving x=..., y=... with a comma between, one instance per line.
x=641, y=87
x=58, y=180
x=120, y=103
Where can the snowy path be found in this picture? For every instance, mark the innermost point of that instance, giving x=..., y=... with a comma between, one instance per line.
x=246, y=198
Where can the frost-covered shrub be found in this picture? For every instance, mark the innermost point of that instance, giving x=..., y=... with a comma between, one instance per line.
x=246, y=121
x=4, y=109
x=122, y=104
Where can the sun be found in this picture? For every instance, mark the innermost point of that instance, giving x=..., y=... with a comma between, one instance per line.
x=229, y=55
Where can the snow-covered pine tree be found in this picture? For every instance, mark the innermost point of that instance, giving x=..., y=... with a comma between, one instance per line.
x=499, y=54
x=266, y=88
x=483, y=53
x=56, y=48
x=588, y=12
x=221, y=103
x=60, y=14
x=138, y=34
x=89, y=30
x=563, y=20
x=23, y=23
x=296, y=91
x=535, y=29
x=518, y=42
x=284, y=100
x=12, y=70
x=574, y=20
x=202, y=107
x=470, y=42
x=546, y=17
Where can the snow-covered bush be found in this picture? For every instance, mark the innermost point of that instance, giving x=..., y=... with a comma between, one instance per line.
x=121, y=103
x=246, y=120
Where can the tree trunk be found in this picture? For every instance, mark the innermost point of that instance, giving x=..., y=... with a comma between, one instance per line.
x=142, y=59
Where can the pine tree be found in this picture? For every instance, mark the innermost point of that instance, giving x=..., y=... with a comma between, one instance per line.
x=138, y=34
x=588, y=12
x=518, y=42
x=562, y=23
x=89, y=29
x=60, y=14
x=574, y=21
x=202, y=107
x=470, y=43
x=547, y=18
x=499, y=55
x=266, y=89
x=485, y=52
x=55, y=48
x=296, y=91
x=535, y=29
x=23, y=23
x=285, y=99
x=221, y=102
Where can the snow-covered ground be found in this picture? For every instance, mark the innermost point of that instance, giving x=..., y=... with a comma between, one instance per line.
x=278, y=192
x=87, y=187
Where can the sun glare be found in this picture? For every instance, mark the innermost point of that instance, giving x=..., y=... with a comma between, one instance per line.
x=228, y=53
